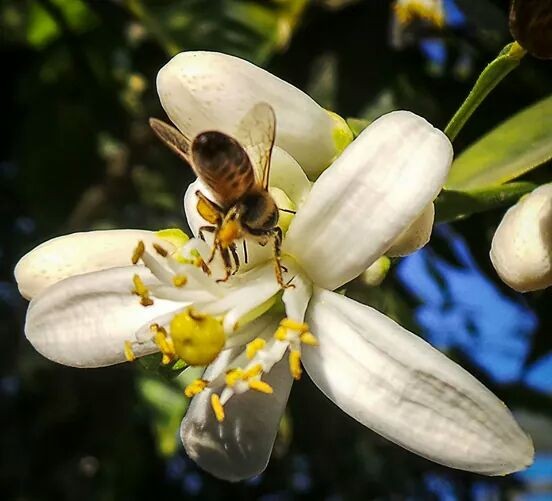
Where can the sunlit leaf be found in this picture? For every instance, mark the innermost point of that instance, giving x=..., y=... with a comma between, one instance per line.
x=515, y=147
x=167, y=405
x=452, y=205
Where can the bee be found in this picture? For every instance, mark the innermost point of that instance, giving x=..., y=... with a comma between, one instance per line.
x=236, y=170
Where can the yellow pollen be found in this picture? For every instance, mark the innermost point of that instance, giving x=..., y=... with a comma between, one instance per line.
x=180, y=280
x=141, y=291
x=197, y=338
x=217, y=407
x=254, y=346
x=309, y=339
x=138, y=252
x=160, y=250
x=195, y=387
x=295, y=364
x=281, y=334
x=230, y=231
x=129, y=354
x=261, y=386
x=164, y=343
x=233, y=376
x=290, y=324
x=253, y=371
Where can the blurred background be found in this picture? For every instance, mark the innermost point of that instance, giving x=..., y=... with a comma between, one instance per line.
x=78, y=84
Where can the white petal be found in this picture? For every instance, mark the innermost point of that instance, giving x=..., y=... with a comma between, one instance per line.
x=78, y=253
x=368, y=197
x=521, y=251
x=287, y=175
x=84, y=320
x=208, y=90
x=416, y=236
x=376, y=272
x=296, y=299
x=395, y=383
x=240, y=446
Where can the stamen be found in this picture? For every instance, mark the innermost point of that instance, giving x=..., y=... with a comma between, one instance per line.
x=180, y=280
x=160, y=250
x=262, y=386
x=288, y=323
x=218, y=409
x=254, y=346
x=138, y=252
x=295, y=364
x=129, y=354
x=281, y=334
x=308, y=338
x=141, y=291
x=233, y=376
x=253, y=371
x=195, y=387
x=164, y=343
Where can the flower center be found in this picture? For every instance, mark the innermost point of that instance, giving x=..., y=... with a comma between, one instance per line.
x=215, y=317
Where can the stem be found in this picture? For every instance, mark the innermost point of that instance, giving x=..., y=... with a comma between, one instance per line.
x=507, y=60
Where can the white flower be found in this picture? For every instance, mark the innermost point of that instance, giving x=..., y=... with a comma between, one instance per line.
x=521, y=251
x=89, y=309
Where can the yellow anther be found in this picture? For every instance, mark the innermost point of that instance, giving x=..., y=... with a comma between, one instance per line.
x=290, y=324
x=295, y=364
x=141, y=291
x=164, y=343
x=253, y=371
x=197, y=338
x=281, y=334
x=233, y=376
x=180, y=280
x=160, y=250
x=254, y=346
x=308, y=338
x=129, y=354
x=195, y=387
x=218, y=409
x=258, y=385
x=229, y=232
x=138, y=252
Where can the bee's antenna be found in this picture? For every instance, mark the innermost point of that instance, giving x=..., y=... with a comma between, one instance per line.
x=245, y=258
x=287, y=210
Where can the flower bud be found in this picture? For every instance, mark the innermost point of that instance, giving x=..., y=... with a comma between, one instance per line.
x=208, y=90
x=521, y=250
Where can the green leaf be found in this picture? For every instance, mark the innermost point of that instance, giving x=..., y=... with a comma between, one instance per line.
x=452, y=205
x=168, y=405
x=515, y=147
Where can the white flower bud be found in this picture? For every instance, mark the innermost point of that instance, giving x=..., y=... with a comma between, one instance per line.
x=521, y=251
x=208, y=90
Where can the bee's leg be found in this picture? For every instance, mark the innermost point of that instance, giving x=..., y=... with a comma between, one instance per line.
x=208, y=229
x=227, y=263
x=245, y=256
x=236, y=258
x=277, y=239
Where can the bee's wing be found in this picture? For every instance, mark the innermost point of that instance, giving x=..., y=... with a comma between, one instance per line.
x=256, y=132
x=173, y=138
